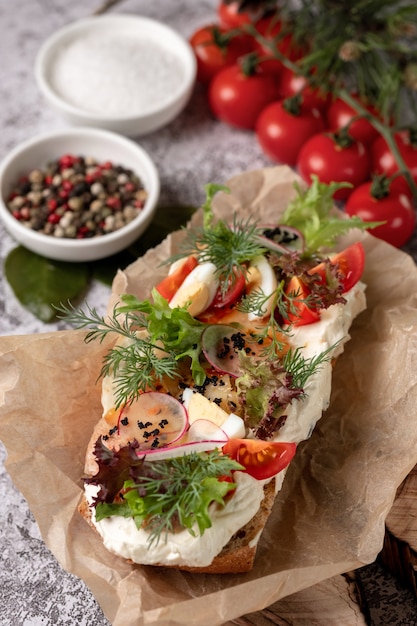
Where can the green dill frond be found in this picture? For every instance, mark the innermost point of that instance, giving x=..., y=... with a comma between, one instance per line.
x=227, y=246
x=180, y=490
x=301, y=369
x=136, y=368
x=98, y=326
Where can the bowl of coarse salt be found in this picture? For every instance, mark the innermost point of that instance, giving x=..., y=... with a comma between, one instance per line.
x=79, y=194
x=125, y=73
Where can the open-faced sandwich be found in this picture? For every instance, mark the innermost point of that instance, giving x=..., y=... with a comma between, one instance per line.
x=213, y=381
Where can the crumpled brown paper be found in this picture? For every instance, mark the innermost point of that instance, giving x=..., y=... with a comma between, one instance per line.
x=329, y=516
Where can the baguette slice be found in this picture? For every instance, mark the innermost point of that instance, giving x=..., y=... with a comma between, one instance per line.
x=237, y=553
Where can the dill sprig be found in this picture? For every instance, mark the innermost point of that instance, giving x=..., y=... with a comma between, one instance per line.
x=257, y=302
x=301, y=369
x=136, y=368
x=174, y=493
x=137, y=363
x=227, y=246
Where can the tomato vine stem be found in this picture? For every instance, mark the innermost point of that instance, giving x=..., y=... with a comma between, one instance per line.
x=386, y=131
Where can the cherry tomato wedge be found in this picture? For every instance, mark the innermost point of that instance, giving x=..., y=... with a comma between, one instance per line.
x=301, y=314
x=232, y=294
x=261, y=459
x=171, y=283
x=351, y=262
x=223, y=302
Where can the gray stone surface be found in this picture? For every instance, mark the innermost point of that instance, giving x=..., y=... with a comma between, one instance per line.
x=190, y=152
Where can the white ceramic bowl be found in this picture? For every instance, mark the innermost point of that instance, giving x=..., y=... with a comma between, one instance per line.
x=124, y=73
x=103, y=146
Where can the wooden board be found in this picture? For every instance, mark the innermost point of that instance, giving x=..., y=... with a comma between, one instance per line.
x=331, y=603
x=399, y=554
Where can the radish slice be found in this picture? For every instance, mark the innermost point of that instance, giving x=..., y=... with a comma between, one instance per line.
x=155, y=419
x=171, y=452
x=281, y=238
x=221, y=344
x=205, y=430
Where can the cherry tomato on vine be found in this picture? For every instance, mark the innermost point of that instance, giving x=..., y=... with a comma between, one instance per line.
x=281, y=133
x=270, y=28
x=291, y=84
x=392, y=204
x=299, y=314
x=171, y=283
x=324, y=156
x=383, y=160
x=340, y=114
x=216, y=48
x=238, y=98
x=261, y=459
x=351, y=263
x=230, y=15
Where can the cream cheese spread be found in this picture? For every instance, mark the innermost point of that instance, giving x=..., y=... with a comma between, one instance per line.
x=121, y=536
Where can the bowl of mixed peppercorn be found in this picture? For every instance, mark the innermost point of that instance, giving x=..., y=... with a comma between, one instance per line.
x=78, y=195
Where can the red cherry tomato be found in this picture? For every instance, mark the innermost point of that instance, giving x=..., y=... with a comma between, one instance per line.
x=215, y=49
x=395, y=208
x=261, y=459
x=321, y=155
x=383, y=161
x=230, y=15
x=171, y=283
x=270, y=28
x=340, y=114
x=301, y=314
x=238, y=99
x=291, y=84
x=351, y=263
x=281, y=134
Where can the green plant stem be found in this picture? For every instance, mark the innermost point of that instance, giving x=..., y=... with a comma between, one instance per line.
x=386, y=132
x=383, y=129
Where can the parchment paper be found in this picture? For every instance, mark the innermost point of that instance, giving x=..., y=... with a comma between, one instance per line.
x=328, y=518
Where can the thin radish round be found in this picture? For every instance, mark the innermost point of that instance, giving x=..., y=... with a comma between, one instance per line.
x=221, y=344
x=281, y=238
x=171, y=452
x=155, y=419
x=205, y=430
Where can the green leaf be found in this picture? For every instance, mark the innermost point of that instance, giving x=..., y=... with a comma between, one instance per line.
x=41, y=284
x=311, y=212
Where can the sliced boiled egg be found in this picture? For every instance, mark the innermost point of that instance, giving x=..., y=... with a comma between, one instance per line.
x=261, y=276
x=197, y=290
x=202, y=411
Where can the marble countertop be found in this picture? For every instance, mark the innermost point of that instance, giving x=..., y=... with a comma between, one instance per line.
x=190, y=152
